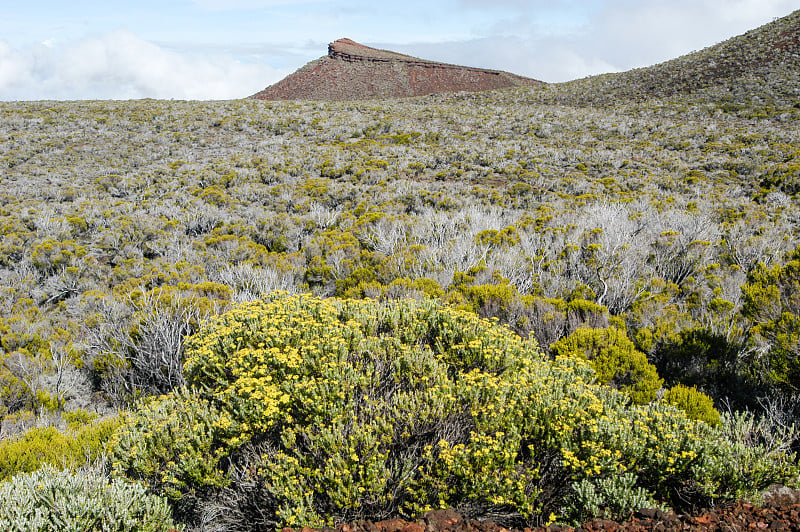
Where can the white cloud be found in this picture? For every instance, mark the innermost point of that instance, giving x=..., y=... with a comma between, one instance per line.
x=524, y=5
x=617, y=35
x=642, y=33
x=544, y=60
x=119, y=65
x=12, y=67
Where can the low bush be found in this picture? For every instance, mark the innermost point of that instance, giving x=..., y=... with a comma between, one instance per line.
x=303, y=411
x=615, y=360
x=697, y=405
x=39, y=446
x=49, y=500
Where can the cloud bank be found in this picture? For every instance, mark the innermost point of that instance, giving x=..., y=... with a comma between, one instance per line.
x=540, y=39
x=550, y=40
x=120, y=65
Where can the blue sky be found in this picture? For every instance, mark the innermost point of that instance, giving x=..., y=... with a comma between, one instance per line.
x=221, y=49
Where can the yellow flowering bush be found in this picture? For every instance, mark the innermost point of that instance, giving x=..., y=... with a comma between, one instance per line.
x=306, y=411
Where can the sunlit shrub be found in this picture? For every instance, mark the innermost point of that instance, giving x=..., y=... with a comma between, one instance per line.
x=311, y=411
x=51, y=500
x=414, y=288
x=39, y=446
x=50, y=255
x=697, y=405
x=176, y=445
x=615, y=360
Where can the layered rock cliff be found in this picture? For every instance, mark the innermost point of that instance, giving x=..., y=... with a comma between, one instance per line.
x=352, y=71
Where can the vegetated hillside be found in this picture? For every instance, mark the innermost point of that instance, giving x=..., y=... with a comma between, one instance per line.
x=762, y=64
x=653, y=242
x=656, y=212
x=352, y=71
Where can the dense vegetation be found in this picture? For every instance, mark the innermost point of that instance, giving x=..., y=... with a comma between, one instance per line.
x=649, y=245
x=308, y=411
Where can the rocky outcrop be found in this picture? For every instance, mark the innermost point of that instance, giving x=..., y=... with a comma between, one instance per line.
x=352, y=71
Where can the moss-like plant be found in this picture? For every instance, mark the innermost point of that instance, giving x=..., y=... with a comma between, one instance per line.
x=697, y=405
x=40, y=446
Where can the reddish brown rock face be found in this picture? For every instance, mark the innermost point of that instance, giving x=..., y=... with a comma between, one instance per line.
x=352, y=71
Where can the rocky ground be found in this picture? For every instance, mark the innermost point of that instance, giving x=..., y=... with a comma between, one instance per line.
x=781, y=511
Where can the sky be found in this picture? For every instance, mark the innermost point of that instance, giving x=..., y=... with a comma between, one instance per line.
x=226, y=49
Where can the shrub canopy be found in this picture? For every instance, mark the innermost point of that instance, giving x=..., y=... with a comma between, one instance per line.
x=305, y=411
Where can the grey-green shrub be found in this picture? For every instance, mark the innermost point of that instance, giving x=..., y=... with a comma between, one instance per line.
x=615, y=495
x=85, y=501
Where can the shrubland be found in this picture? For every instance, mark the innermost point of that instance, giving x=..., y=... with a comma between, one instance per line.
x=644, y=250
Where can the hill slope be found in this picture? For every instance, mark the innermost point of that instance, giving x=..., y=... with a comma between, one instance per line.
x=763, y=63
x=352, y=71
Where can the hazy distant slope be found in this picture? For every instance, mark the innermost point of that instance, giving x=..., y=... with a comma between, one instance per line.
x=763, y=63
x=352, y=71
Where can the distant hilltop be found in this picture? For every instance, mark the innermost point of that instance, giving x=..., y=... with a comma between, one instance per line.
x=352, y=71
x=762, y=64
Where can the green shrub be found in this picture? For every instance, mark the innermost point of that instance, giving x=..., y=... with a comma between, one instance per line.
x=784, y=177
x=489, y=300
x=615, y=360
x=414, y=288
x=182, y=421
x=697, y=357
x=77, y=418
x=697, y=405
x=50, y=500
x=39, y=446
x=772, y=303
x=303, y=411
